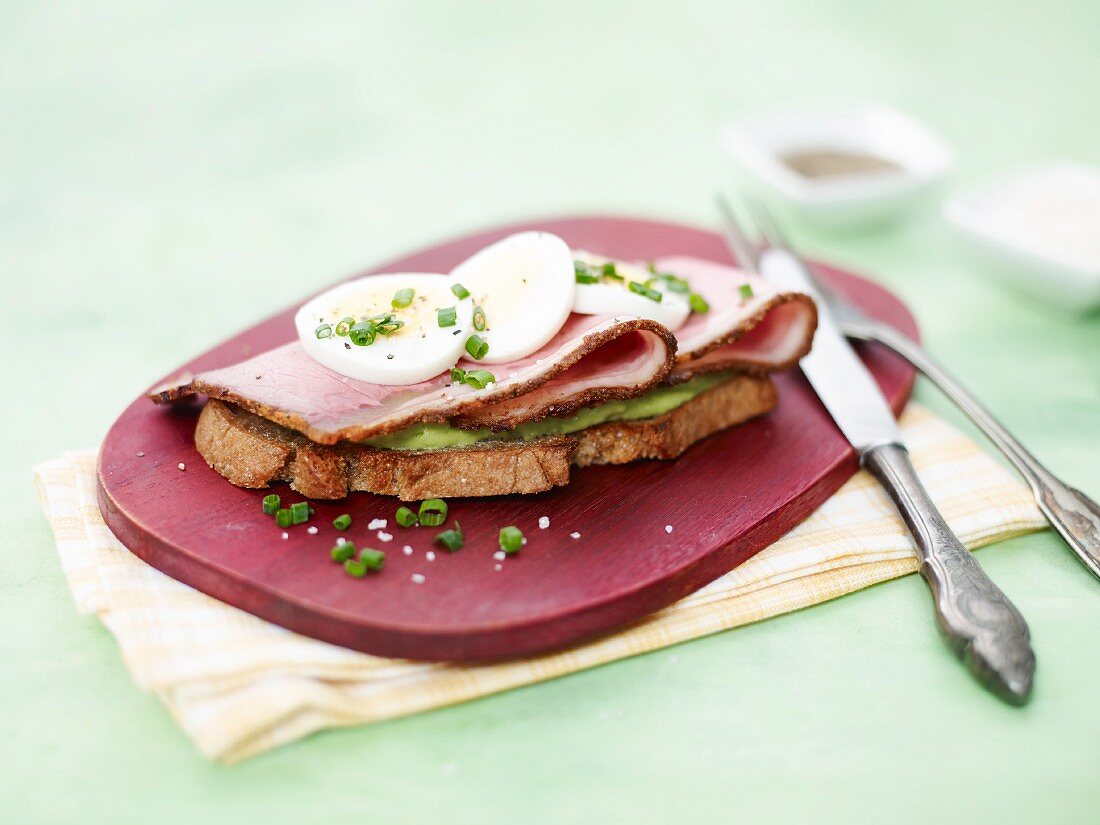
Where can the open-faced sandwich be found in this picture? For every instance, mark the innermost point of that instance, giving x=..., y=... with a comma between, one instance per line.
x=526, y=359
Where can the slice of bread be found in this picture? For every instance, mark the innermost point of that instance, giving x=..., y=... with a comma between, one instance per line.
x=253, y=452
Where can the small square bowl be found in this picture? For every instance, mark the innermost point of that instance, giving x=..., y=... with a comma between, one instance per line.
x=922, y=158
x=1040, y=226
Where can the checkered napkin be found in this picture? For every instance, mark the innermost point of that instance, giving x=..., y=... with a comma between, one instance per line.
x=238, y=685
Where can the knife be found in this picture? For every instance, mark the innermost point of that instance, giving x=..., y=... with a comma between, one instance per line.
x=981, y=625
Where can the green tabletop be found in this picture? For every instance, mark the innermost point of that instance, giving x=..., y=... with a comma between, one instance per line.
x=172, y=172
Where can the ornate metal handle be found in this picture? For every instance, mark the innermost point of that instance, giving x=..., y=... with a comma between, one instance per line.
x=983, y=627
x=1073, y=514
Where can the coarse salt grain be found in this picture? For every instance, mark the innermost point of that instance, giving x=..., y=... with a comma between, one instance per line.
x=182, y=466
x=341, y=540
x=408, y=551
x=311, y=530
x=430, y=555
x=544, y=522
x=668, y=528
x=286, y=535
x=574, y=535
x=377, y=524
x=498, y=567
x=141, y=453
x=499, y=555
x=418, y=578
x=384, y=536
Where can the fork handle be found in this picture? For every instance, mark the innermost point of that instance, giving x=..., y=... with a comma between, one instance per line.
x=1072, y=513
x=983, y=628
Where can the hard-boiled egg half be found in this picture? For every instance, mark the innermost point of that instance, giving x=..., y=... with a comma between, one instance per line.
x=610, y=287
x=524, y=287
x=397, y=328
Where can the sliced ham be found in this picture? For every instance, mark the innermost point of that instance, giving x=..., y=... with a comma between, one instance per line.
x=591, y=357
x=765, y=333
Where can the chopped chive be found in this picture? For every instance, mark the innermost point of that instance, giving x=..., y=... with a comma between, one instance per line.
x=451, y=539
x=402, y=298
x=362, y=334
x=323, y=331
x=477, y=346
x=479, y=319
x=584, y=278
x=271, y=504
x=675, y=284
x=355, y=569
x=342, y=522
x=651, y=267
x=344, y=326
x=371, y=558
x=342, y=552
x=458, y=375
x=388, y=326
x=446, y=316
x=405, y=517
x=608, y=269
x=282, y=517
x=645, y=291
x=433, y=512
x=745, y=291
x=479, y=379
x=698, y=303
x=511, y=539
x=460, y=291
x=299, y=512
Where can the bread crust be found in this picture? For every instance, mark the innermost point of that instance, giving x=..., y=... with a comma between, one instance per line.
x=251, y=451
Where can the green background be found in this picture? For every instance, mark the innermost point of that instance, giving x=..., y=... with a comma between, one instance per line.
x=174, y=171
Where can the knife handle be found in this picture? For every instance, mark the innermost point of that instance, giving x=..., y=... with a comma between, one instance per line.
x=1073, y=514
x=981, y=625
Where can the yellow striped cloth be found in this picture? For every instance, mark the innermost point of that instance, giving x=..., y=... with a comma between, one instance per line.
x=239, y=685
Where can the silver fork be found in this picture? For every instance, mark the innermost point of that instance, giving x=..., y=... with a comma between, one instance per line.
x=1073, y=514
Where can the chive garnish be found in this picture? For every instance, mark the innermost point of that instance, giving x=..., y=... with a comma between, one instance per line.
x=282, y=517
x=405, y=517
x=362, y=334
x=355, y=569
x=479, y=319
x=342, y=522
x=446, y=316
x=402, y=298
x=460, y=291
x=511, y=539
x=745, y=290
x=645, y=291
x=479, y=379
x=371, y=558
x=458, y=375
x=585, y=278
x=675, y=284
x=477, y=346
x=698, y=303
x=271, y=504
x=344, y=326
x=342, y=552
x=299, y=512
x=451, y=539
x=608, y=271
x=433, y=512
x=323, y=331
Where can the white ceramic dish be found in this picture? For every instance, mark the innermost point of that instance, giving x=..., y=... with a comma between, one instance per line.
x=758, y=143
x=1041, y=225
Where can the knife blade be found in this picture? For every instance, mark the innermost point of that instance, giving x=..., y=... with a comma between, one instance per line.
x=983, y=628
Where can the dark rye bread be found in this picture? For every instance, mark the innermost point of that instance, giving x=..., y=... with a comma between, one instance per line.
x=253, y=452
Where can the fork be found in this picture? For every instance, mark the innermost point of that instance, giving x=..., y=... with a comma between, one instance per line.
x=1074, y=515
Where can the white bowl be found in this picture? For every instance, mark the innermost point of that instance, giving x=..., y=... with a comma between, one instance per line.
x=1041, y=225
x=759, y=142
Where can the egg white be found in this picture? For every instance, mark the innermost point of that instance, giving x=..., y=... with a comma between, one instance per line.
x=419, y=350
x=525, y=285
x=615, y=298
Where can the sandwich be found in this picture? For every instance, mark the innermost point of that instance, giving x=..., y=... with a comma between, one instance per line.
x=525, y=361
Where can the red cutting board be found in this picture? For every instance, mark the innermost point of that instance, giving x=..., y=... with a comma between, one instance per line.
x=726, y=498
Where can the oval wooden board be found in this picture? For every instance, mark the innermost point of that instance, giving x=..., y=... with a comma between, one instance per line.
x=726, y=498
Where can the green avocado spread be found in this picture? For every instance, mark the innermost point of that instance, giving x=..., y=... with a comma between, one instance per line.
x=655, y=402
